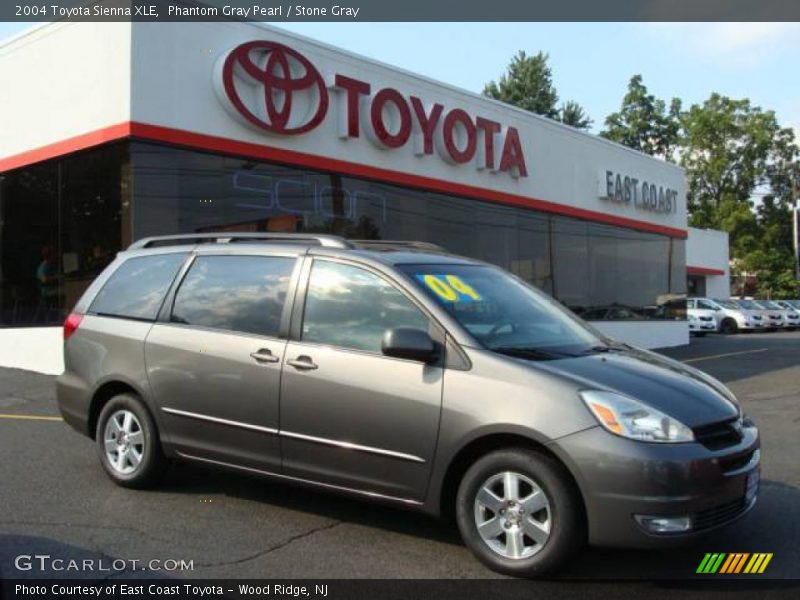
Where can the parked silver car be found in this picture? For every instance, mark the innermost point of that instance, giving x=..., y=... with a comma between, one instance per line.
x=703, y=316
x=731, y=318
x=790, y=318
x=773, y=319
x=398, y=372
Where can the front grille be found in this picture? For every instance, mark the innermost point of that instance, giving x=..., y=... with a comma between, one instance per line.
x=719, y=435
x=733, y=463
x=705, y=318
x=718, y=515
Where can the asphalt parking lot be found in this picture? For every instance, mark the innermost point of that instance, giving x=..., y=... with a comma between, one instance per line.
x=55, y=499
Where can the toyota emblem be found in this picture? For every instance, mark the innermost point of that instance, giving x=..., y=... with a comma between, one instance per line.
x=273, y=87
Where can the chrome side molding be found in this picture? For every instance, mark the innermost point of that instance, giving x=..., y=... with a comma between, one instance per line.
x=300, y=480
x=297, y=436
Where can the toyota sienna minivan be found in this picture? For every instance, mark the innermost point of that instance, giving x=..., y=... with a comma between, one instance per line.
x=398, y=372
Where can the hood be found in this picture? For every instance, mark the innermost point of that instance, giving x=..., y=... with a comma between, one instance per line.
x=682, y=392
x=702, y=312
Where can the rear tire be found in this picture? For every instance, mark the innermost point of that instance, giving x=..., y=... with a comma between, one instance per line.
x=128, y=443
x=520, y=513
x=728, y=326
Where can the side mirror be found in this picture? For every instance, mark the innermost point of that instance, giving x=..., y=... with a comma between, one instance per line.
x=408, y=343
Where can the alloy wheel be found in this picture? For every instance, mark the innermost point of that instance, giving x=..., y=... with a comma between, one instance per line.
x=512, y=515
x=124, y=442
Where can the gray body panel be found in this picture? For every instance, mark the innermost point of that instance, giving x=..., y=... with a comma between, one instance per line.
x=216, y=400
x=389, y=407
x=390, y=428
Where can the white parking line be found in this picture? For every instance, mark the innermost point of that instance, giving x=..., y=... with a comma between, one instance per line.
x=30, y=417
x=715, y=356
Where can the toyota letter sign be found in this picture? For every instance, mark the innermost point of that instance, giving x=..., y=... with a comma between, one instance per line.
x=274, y=88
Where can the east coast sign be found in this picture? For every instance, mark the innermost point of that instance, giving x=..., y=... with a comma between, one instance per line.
x=275, y=89
x=628, y=190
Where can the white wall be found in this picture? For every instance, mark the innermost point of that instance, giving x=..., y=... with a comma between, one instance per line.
x=652, y=334
x=32, y=348
x=709, y=249
x=62, y=80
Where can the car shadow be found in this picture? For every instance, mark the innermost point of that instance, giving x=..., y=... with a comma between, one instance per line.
x=188, y=478
x=772, y=526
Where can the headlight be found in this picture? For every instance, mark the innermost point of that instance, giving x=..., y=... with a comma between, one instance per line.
x=632, y=419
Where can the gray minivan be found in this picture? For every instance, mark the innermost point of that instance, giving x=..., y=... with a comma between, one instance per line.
x=398, y=372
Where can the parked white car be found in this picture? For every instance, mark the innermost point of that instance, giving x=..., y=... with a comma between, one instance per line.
x=700, y=327
x=790, y=305
x=790, y=317
x=772, y=319
x=702, y=318
x=731, y=318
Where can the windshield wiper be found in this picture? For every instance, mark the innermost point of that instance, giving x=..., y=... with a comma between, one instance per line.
x=532, y=353
x=603, y=348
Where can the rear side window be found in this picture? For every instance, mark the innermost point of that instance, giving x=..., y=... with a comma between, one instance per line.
x=137, y=288
x=234, y=293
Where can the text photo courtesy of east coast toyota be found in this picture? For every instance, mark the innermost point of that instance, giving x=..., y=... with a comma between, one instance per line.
x=305, y=301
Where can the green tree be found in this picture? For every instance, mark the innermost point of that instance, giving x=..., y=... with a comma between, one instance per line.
x=726, y=148
x=740, y=166
x=571, y=113
x=644, y=122
x=528, y=84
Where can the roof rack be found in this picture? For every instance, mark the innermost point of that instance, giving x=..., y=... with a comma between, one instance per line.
x=396, y=245
x=223, y=237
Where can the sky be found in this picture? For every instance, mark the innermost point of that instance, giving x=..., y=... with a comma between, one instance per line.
x=591, y=62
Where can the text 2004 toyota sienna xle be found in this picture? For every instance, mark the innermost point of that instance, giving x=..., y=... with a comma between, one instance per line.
x=402, y=373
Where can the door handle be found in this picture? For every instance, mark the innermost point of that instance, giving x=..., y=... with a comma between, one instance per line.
x=264, y=355
x=303, y=362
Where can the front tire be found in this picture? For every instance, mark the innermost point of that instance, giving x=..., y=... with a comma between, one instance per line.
x=729, y=326
x=128, y=443
x=519, y=512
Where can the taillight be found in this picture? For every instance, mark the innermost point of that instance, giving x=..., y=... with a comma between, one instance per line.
x=71, y=324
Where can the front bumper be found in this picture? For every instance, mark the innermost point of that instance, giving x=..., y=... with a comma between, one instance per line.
x=621, y=478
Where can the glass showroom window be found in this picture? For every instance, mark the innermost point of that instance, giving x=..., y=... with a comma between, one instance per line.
x=61, y=222
x=615, y=273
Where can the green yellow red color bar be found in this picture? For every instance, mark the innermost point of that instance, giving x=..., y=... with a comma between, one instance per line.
x=734, y=562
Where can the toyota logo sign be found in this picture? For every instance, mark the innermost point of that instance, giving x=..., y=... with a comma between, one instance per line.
x=274, y=88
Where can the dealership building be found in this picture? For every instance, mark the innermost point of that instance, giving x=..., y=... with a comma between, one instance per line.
x=115, y=131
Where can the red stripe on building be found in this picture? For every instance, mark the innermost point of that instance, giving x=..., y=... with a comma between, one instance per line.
x=198, y=141
x=73, y=144
x=703, y=271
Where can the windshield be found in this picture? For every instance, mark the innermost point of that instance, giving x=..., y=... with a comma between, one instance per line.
x=503, y=313
x=794, y=303
x=768, y=304
x=727, y=304
x=748, y=304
